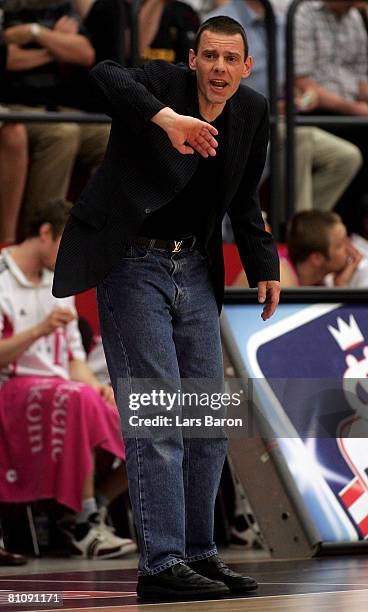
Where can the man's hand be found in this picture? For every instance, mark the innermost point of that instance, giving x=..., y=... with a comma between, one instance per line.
x=268, y=294
x=66, y=25
x=187, y=134
x=343, y=278
x=106, y=393
x=58, y=317
x=306, y=101
x=20, y=35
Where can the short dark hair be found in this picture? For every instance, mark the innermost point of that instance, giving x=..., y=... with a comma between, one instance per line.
x=308, y=232
x=55, y=212
x=222, y=25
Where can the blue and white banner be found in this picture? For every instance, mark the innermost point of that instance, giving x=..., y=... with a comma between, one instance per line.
x=309, y=366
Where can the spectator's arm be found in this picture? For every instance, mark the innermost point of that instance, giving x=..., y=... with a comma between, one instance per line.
x=149, y=21
x=329, y=100
x=26, y=59
x=69, y=48
x=72, y=48
x=14, y=347
x=82, y=6
x=81, y=372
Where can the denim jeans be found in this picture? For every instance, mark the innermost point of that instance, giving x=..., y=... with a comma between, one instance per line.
x=159, y=320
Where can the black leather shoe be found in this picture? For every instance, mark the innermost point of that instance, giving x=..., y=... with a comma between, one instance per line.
x=215, y=569
x=179, y=582
x=8, y=558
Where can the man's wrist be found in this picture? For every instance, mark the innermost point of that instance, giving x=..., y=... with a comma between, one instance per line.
x=164, y=117
x=35, y=31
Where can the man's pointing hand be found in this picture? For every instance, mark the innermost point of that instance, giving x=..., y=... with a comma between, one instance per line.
x=187, y=134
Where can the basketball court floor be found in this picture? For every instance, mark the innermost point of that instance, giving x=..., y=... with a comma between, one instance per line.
x=338, y=584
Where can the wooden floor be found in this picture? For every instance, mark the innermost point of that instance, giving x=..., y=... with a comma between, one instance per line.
x=334, y=584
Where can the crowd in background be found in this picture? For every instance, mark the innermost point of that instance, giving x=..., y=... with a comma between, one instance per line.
x=46, y=50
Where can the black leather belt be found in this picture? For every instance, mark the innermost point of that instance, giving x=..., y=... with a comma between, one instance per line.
x=173, y=246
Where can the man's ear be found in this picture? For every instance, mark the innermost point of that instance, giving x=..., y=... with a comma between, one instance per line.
x=45, y=231
x=192, y=60
x=317, y=259
x=248, y=65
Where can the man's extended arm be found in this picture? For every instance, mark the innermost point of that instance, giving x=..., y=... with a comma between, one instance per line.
x=134, y=96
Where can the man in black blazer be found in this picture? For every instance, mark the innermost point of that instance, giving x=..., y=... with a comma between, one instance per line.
x=186, y=146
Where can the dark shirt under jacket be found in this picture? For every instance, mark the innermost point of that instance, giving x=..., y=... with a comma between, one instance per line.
x=189, y=213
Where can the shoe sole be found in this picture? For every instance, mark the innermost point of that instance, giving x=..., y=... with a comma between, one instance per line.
x=243, y=590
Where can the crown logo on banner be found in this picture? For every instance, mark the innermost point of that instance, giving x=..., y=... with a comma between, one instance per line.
x=347, y=335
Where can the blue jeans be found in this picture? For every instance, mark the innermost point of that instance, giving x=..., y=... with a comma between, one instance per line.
x=159, y=320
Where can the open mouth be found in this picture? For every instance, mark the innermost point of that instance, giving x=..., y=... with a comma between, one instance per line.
x=218, y=84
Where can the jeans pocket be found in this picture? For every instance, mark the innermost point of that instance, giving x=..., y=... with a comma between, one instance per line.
x=134, y=253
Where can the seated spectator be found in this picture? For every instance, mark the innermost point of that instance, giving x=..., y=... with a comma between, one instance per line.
x=106, y=22
x=44, y=47
x=325, y=164
x=167, y=28
x=319, y=252
x=13, y=174
x=56, y=420
x=331, y=61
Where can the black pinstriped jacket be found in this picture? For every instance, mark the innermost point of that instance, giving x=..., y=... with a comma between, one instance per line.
x=141, y=172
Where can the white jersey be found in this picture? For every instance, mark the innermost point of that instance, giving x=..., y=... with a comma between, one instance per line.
x=24, y=305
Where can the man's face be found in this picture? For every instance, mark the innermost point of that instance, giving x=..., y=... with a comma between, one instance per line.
x=337, y=252
x=219, y=65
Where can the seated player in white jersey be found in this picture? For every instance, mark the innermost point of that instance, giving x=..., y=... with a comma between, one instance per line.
x=56, y=419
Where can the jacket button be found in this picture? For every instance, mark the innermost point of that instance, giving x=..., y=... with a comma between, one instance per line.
x=176, y=189
x=147, y=211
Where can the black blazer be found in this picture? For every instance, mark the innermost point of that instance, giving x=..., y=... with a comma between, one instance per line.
x=141, y=172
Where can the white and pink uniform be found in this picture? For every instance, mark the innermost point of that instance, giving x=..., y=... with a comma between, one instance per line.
x=49, y=425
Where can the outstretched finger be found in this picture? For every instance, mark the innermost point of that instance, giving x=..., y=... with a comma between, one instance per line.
x=272, y=301
x=210, y=128
x=185, y=150
x=201, y=150
x=203, y=147
x=207, y=136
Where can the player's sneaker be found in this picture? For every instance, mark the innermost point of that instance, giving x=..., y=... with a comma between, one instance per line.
x=99, y=521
